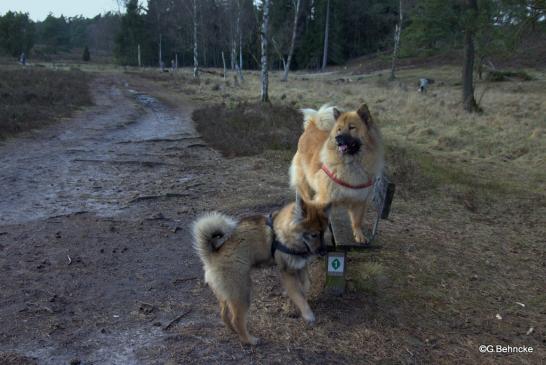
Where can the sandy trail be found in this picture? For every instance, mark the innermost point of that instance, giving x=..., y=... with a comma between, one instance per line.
x=96, y=259
x=97, y=162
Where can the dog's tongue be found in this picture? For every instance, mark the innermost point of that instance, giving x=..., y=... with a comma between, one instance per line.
x=342, y=148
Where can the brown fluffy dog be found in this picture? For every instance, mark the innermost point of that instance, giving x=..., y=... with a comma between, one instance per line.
x=229, y=249
x=339, y=156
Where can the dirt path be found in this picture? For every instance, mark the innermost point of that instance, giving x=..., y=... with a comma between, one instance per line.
x=96, y=264
x=96, y=256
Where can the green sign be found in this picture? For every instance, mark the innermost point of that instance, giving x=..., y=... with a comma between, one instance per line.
x=336, y=264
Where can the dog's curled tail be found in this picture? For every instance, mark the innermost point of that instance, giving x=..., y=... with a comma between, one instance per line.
x=322, y=118
x=210, y=232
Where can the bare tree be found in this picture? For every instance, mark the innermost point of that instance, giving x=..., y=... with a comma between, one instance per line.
x=397, y=33
x=469, y=102
x=160, y=53
x=293, y=40
x=195, y=60
x=264, y=37
x=326, y=31
x=224, y=62
x=240, y=36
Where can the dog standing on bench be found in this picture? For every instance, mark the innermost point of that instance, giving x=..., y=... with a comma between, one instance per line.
x=339, y=156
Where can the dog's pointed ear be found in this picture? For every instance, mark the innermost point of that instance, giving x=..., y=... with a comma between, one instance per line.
x=299, y=209
x=337, y=113
x=364, y=114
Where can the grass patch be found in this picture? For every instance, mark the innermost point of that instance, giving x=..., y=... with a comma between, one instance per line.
x=249, y=128
x=497, y=75
x=31, y=98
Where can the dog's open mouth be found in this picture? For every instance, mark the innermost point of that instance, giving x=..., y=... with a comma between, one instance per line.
x=347, y=144
x=350, y=147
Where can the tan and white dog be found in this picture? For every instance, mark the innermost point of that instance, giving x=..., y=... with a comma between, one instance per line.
x=229, y=249
x=339, y=156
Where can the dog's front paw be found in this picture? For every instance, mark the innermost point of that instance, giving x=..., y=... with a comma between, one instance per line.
x=360, y=237
x=253, y=340
x=309, y=318
x=250, y=340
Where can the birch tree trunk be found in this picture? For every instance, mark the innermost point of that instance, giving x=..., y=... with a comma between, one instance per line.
x=264, y=36
x=139, y=58
x=469, y=102
x=224, y=62
x=240, y=36
x=326, y=31
x=233, y=53
x=397, y=34
x=160, y=53
x=195, y=60
x=292, y=42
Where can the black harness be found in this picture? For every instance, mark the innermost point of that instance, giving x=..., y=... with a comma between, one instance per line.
x=278, y=245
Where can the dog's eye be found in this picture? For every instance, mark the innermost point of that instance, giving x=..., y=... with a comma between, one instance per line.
x=339, y=129
x=351, y=127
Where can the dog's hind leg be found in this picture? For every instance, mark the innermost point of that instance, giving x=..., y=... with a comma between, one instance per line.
x=303, y=276
x=224, y=314
x=356, y=213
x=239, y=310
x=295, y=291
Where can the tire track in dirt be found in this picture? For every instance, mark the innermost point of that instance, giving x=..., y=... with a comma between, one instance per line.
x=93, y=162
x=93, y=221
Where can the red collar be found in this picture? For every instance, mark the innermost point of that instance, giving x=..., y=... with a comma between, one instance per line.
x=343, y=183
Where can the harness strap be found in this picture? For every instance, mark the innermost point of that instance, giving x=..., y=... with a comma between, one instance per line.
x=278, y=245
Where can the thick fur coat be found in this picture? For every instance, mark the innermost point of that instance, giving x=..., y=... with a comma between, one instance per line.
x=229, y=249
x=339, y=156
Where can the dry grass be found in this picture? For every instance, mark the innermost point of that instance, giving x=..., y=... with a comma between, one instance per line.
x=31, y=98
x=505, y=144
x=511, y=128
x=465, y=240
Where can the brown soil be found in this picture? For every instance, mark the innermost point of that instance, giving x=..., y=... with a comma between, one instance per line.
x=96, y=263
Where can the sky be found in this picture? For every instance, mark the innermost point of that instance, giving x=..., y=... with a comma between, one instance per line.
x=39, y=9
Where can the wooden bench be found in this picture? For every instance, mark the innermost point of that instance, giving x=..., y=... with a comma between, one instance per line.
x=341, y=235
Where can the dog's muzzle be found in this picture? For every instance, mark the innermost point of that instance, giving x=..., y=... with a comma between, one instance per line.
x=348, y=144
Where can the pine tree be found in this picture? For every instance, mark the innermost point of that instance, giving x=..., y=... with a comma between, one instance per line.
x=132, y=33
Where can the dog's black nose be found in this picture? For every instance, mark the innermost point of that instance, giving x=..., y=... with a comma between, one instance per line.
x=341, y=139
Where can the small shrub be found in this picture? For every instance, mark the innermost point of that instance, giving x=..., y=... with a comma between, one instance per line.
x=498, y=76
x=31, y=98
x=249, y=129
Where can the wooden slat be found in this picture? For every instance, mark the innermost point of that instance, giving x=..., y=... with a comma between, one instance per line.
x=343, y=233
